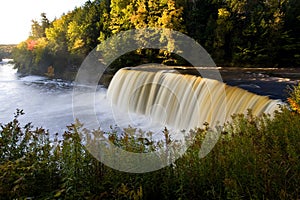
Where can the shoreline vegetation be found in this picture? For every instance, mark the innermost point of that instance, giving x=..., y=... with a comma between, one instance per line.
x=254, y=158
x=235, y=33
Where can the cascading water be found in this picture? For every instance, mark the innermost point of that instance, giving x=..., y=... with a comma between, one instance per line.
x=182, y=101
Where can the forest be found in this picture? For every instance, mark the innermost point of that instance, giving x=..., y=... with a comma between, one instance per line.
x=5, y=51
x=239, y=33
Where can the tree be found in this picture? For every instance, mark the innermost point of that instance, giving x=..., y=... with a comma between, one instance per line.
x=32, y=56
x=119, y=16
x=250, y=32
x=38, y=28
x=234, y=32
x=85, y=28
x=289, y=54
x=137, y=14
x=126, y=15
x=57, y=33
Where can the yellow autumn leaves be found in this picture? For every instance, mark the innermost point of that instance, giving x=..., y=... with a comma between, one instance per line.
x=294, y=99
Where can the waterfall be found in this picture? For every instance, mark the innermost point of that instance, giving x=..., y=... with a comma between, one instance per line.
x=182, y=101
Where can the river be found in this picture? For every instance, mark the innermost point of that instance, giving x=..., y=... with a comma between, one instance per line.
x=48, y=103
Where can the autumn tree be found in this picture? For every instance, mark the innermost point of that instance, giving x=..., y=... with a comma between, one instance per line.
x=137, y=14
x=126, y=15
x=235, y=32
x=33, y=56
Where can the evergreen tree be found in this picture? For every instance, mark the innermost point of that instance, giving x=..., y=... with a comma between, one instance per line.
x=38, y=28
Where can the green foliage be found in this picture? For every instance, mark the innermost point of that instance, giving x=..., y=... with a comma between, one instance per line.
x=25, y=167
x=260, y=33
x=126, y=15
x=62, y=43
x=32, y=56
x=266, y=148
x=139, y=14
x=38, y=29
x=251, y=33
x=255, y=158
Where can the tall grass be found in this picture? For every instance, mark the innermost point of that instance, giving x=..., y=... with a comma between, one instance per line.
x=255, y=158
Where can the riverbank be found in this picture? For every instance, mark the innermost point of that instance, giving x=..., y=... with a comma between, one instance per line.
x=271, y=82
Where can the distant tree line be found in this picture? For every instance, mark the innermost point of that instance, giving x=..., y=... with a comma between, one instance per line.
x=260, y=33
x=5, y=51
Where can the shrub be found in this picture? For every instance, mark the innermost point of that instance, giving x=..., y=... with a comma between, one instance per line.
x=255, y=158
x=294, y=99
x=26, y=169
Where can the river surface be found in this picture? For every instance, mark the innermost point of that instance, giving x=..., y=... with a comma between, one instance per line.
x=45, y=102
x=48, y=103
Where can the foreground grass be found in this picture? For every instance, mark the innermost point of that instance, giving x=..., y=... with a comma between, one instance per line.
x=255, y=158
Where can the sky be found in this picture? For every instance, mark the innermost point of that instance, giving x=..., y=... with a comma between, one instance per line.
x=16, y=16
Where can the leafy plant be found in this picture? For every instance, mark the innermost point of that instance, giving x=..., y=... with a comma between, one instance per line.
x=294, y=99
x=25, y=167
x=255, y=158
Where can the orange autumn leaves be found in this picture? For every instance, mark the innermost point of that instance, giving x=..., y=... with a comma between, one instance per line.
x=295, y=106
x=31, y=44
x=294, y=99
